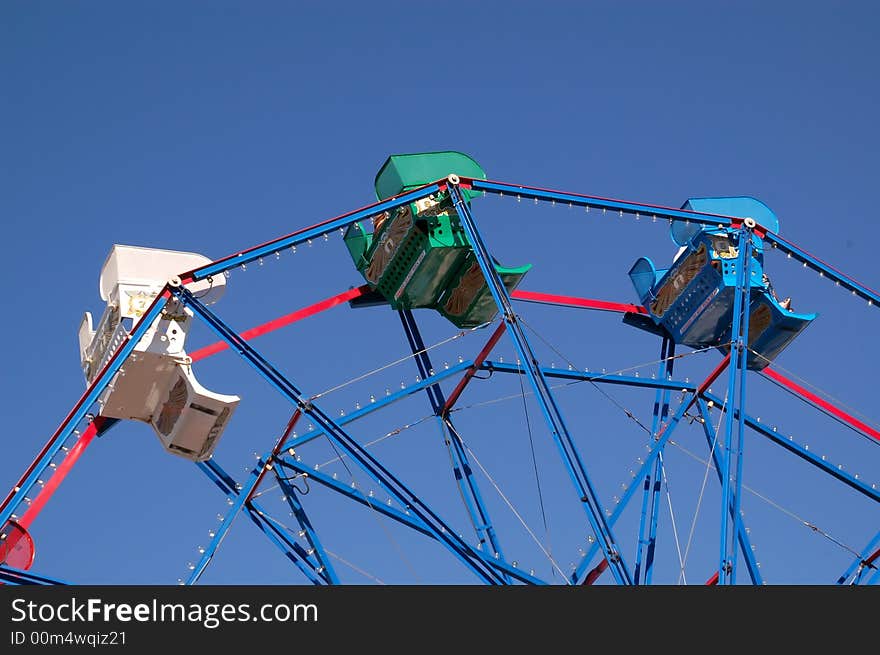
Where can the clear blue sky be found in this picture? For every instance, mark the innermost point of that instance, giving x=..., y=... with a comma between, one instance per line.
x=214, y=126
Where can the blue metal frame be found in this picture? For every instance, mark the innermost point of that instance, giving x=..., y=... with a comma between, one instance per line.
x=422, y=384
x=641, y=209
x=742, y=534
x=299, y=512
x=555, y=422
x=341, y=439
x=789, y=444
x=493, y=366
x=731, y=487
x=314, y=563
x=594, y=202
x=650, y=499
x=824, y=269
x=461, y=467
x=403, y=517
x=276, y=533
x=13, y=576
x=241, y=498
x=654, y=452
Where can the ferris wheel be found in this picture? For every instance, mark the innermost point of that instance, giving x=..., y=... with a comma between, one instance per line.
x=527, y=464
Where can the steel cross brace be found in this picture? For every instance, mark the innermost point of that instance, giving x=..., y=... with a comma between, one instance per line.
x=866, y=560
x=461, y=467
x=651, y=497
x=404, y=517
x=276, y=533
x=552, y=415
x=257, y=475
x=741, y=532
x=341, y=439
x=654, y=451
x=299, y=512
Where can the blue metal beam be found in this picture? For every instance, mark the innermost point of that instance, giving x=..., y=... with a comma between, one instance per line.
x=404, y=518
x=422, y=384
x=848, y=283
x=555, y=422
x=226, y=524
x=592, y=376
x=657, y=446
x=595, y=202
x=13, y=576
x=278, y=535
x=655, y=211
x=789, y=444
x=301, y=236
x=745, y=543
x=461, y=467
x=857, y=569
x=289, y=548
x=299, y=512
x=341, y=439
x=650, y=499
x=84, y=404
x=354, y=494
x=731, y=486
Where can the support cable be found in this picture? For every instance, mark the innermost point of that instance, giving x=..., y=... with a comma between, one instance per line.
x=535, y=464
x=774, y=504
x=671, y=513
x=511, y=506
x=709, y=467
x=395, y=362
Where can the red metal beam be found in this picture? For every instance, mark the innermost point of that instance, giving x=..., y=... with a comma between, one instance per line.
x=282, y=321
x=61, y=472
x=821, y=403
x=275, y=450
x=711, y=582
x=573, y=301
x=593, y=575
x=718, y=370
x=469, y=374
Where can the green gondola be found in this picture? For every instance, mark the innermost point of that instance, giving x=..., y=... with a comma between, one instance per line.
x=418, y=256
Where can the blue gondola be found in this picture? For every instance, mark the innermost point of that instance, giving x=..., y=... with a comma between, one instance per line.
x=692, y=301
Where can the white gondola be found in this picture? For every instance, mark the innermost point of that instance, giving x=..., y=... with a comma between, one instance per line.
x=156, y=384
